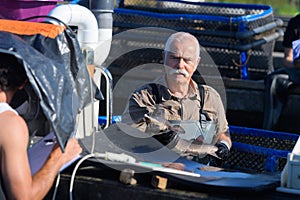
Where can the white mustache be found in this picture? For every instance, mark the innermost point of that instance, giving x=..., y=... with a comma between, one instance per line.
x=179, y=71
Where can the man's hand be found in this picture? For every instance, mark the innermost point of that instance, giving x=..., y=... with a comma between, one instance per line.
x=158, y=125
x=223, y=151
x=72, y=150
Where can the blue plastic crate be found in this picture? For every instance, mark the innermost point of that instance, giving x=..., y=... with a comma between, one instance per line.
x=259, y=150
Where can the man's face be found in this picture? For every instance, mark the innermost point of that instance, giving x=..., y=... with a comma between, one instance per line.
x=181, y=61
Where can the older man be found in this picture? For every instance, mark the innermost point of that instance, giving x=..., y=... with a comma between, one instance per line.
x=176, y=97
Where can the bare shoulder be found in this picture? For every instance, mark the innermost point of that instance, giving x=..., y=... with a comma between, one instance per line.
x=13, y=127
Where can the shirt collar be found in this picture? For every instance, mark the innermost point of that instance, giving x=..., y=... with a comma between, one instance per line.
x=192, y=93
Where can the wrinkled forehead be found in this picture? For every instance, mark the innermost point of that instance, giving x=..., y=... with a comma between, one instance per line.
x=185, y=48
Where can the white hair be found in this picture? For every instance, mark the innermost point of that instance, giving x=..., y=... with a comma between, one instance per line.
x=179, y=36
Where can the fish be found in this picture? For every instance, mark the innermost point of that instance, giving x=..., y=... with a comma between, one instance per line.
x=188, y=147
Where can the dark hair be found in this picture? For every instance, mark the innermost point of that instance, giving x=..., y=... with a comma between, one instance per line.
x=12, y=72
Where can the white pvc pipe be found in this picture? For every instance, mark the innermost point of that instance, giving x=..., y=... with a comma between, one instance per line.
x=89, y=36
x=80, y=16
x=103, y=48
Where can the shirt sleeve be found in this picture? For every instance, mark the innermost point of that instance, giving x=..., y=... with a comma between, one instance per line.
x=140, y=103
x=215, y=108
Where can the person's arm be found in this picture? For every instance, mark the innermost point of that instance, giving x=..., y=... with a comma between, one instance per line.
x=222, y=139
x=43, y=179
x=224, y=145
x=15, y=169
x=288, y=57
x=14, y=163
x=225, y=137
x=141, y=103
x=291, y=34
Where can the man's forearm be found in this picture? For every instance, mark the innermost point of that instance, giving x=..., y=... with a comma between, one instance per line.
x=43, y=180
x=225, y=137
x=288, y=57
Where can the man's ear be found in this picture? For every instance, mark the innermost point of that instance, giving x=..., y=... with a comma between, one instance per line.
x=198, y=60
x=163, y=55
x=197, y=63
